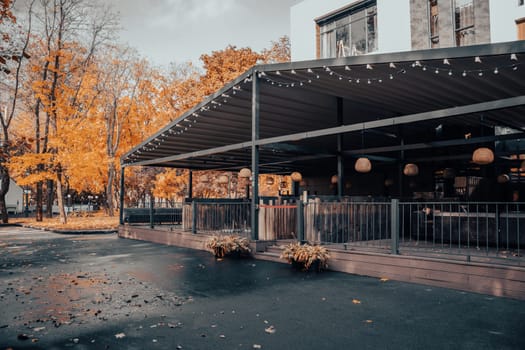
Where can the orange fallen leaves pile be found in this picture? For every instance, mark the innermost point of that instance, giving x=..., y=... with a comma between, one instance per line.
x=96, y=222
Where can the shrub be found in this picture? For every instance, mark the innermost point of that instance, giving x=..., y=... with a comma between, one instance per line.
x=305, y=255
x=222, y=246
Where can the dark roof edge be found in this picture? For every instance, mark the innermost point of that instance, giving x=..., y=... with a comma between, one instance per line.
x=381, y=58
x=188, y=113
x=403, y=56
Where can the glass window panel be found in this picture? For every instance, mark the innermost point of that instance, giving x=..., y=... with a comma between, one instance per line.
x=358, y=31
x=464, y=21
x=342, y=38
x=342, y=22
x=371, y=24
x=434, y=23
x=356, y=16
x=353, y=34
x=328, y=44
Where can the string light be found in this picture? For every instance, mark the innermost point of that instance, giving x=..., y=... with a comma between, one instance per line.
x=283, y=78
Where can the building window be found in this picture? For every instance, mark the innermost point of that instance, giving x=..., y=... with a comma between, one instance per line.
x=464, y=22
x=433, y=21
x=349, y=33
x=521, y=2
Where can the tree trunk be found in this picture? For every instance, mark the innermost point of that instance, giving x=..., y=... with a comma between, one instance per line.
x=39, y=204
x=4, y=188
x=109, y=189
x=50, y=198
x=60, y=197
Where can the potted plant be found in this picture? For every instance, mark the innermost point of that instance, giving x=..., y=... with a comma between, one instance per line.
x=306, y=256
x=230, y=245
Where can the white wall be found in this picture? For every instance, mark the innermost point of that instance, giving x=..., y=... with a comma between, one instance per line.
x=14, y=196
x=503, y=14
x=393, y=26
x=393, y=21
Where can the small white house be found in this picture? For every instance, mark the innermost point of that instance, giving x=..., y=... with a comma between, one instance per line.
x=14, y=198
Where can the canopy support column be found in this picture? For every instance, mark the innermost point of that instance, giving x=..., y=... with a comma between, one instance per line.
x=340, y=159
x=190, y=185
x=255, y=157
x=121, y=211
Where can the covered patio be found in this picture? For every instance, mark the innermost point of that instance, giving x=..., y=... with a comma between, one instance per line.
x=418, y=120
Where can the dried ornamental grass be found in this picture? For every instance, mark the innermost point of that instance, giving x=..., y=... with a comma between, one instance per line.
x=222, y=246
x=306, y=255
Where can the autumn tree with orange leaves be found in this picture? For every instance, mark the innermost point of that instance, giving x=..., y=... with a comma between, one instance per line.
x=61, y=90
x=87, y=101
x=13, y=52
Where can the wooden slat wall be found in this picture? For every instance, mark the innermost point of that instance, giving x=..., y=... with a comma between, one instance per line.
x=498, y=280
x=175, y=238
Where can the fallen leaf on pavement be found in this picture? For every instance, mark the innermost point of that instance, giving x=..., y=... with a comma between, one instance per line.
x=270, y=330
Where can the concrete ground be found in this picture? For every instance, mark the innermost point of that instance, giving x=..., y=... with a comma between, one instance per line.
x=102, y=292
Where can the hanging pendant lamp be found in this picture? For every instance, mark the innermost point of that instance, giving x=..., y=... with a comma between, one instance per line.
x=363, y=165
x=411, y=169
x=483, y=156
x=296, y=176
x=245, y=173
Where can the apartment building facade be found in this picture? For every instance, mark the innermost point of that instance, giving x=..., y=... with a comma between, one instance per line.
x=340, y=28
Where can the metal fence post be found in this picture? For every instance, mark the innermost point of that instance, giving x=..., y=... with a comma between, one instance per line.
x=194, y=217
x=300, y=221
x=394, y=225
x=151, y=212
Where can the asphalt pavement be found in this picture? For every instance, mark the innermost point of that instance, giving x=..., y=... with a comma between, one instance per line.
x=101, y=292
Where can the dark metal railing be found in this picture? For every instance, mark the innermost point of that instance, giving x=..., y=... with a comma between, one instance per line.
x=348, y=222
x=224, y=217
x=466, y=228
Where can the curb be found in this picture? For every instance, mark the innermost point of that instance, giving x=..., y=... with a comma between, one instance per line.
x=69, y=232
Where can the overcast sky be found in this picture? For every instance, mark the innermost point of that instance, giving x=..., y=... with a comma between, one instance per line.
x=166, y=31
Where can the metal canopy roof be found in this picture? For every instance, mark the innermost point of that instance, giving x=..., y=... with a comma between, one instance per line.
x=430, y=105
